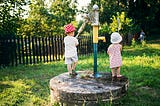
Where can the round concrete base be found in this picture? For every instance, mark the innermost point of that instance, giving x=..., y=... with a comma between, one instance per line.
x=85, y=89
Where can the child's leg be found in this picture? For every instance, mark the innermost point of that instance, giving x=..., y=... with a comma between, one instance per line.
x=74, y=65
x=74, y=68
x=75, y=61
x=69, y=67
x=118, y=72
x=113, y=72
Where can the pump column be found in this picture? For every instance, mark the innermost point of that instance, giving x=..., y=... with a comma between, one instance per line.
x=95, y=25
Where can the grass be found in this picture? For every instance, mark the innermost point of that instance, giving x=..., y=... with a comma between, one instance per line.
x=28, y=85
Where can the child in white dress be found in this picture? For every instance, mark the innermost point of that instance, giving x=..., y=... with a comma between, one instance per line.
x=114, y=52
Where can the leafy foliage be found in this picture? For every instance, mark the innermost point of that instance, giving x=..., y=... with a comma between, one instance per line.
x=10, y=15
x=144, y=10
x=121, y=23
x=48, y=20
x=144, y=13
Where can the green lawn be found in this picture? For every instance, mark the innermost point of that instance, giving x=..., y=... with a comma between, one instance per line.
x=29, y=85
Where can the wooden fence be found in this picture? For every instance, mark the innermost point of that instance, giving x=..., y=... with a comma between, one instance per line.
x=33, y=50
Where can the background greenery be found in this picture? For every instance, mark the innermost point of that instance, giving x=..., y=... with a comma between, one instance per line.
x=48, y=19
x=29, y=85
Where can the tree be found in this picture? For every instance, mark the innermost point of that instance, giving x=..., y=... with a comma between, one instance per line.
x=10, y=15
x=108, y=9
x=144, y=12
x=63, y=12
x=48, y=20
x=35, y=24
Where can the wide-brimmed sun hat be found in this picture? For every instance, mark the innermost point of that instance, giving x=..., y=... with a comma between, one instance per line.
x=116, y=37
x=69, y=28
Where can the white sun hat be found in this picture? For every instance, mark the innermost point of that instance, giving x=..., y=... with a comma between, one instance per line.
x=116, y=37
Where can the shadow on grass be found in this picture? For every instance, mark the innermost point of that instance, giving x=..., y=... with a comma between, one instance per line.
x=34, y=79
x=4, y=86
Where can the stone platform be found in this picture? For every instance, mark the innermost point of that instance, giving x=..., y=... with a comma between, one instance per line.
x=85, y=89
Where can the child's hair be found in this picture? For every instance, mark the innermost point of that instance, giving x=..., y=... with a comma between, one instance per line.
x=69, y=28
